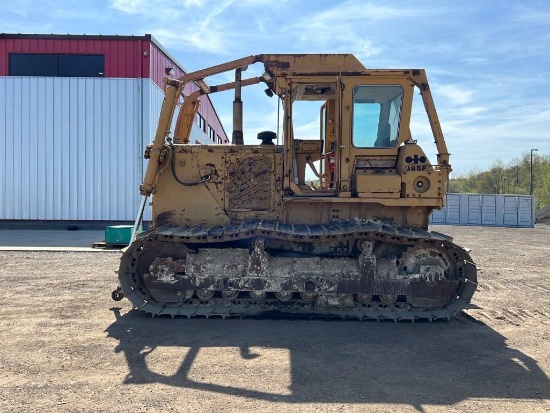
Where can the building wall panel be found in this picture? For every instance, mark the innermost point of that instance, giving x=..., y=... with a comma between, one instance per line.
x=70, y=148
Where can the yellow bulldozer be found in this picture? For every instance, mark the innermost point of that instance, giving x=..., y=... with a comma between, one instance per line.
x=237, y=230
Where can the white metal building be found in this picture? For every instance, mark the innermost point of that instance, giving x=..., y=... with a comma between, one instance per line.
x=76, y=113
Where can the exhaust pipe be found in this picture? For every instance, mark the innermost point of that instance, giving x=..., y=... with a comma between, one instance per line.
x=237, y=137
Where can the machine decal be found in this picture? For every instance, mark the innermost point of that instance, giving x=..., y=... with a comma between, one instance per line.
x=415, y=159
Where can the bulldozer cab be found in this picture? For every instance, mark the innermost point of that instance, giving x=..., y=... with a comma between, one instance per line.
x=362, y=124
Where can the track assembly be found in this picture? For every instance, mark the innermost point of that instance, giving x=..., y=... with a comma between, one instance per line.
x=363, y=269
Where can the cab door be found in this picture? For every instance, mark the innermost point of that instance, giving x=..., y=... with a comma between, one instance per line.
x=376, y=113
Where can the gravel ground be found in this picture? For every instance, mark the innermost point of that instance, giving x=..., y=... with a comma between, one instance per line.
x=66, y=347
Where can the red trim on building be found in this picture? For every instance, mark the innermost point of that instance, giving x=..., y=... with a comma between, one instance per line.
x=123, y=58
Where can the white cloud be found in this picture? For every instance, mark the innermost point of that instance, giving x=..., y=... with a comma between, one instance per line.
x=194, y=3
x=368, y=11
x=456, y=94
x=130, y=6
x=191, y=38
x=216, y=11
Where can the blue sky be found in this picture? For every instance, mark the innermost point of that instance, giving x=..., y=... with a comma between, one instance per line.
x=488, y=61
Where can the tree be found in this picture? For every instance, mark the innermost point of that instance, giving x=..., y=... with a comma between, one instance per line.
x=513, y=178
x=543, y=195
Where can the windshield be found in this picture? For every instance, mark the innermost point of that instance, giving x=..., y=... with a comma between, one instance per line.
x=376, y=115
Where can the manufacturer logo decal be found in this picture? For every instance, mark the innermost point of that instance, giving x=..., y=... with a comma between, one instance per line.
x=415, y=159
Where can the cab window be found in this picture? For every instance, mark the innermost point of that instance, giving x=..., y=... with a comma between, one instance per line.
x=376, y=115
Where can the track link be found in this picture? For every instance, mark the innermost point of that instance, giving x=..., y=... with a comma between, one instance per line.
x=241, y=306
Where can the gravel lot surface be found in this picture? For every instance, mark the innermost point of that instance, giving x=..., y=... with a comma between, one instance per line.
x=67, y=347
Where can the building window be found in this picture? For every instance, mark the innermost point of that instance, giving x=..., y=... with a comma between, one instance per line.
x=220, y=140
x=202, y=123
x=56, y=65
x=211, y=134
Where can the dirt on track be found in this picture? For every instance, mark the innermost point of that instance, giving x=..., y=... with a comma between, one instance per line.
x=66, y=347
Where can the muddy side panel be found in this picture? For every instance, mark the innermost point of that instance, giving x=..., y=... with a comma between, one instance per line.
x=213, y=185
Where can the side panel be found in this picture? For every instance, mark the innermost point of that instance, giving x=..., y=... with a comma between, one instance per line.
x=489, y=209
x=219, y=184
x=525, y=211
x=464, y=198
x=510, y=211
x=71, y=148
x=500, y=211
x=474, y=209
x=453, y=209
x=438, y=216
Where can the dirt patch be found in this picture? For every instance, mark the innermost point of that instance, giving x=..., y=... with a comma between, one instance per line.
x=66, y=347
x=542, y=215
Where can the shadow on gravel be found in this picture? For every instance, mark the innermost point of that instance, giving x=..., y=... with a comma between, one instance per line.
x=340, y=361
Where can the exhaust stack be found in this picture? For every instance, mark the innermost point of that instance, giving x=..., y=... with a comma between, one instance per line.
x=237, y=137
